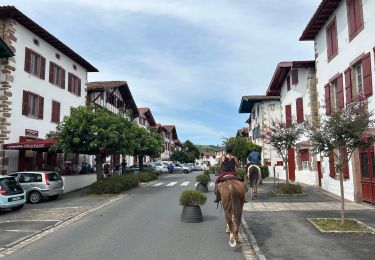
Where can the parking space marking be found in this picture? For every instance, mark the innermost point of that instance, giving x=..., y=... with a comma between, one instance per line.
x=22, y=230
x=171, y=184
x=186, y=183
x=157, y=184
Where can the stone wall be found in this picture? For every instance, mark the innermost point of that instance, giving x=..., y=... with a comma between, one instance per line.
x=7, y=68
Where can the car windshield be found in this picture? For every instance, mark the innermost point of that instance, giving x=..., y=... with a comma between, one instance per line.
x=9, y=184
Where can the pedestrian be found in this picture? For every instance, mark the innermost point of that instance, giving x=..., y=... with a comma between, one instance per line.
x=123, y=166
x=84, y=168
x=106, y=169
x=227, y=163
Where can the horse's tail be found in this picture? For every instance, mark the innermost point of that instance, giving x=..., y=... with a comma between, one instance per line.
x=236, y=202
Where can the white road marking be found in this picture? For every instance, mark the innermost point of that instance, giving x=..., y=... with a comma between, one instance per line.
x=157, y=184
x=186, y=183
x=20, y=230
x=172, y=183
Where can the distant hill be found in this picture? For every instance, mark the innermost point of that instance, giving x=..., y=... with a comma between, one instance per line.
x=207, y=148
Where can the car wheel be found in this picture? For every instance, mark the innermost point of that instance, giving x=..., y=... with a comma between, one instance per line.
x=53, y=197
x=35, y=197
x=186, y=171
x=18, y=207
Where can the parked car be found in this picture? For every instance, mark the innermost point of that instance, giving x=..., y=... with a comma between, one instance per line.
x=198, y=167
x=191, y=166
x=12, y=196
x=146, y=166
x=181, y=168
x=160, y=168
x=40, y=185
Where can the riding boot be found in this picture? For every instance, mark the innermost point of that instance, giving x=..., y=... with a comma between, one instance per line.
x=218, y=197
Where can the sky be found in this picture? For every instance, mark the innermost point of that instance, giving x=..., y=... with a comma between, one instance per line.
x=189, y=61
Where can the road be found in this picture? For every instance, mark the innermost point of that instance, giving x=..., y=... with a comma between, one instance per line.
x=144, y=224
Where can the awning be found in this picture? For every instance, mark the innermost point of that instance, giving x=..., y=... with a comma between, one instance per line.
x=37, y=144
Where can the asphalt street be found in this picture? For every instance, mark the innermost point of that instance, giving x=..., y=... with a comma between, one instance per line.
x=144, y=224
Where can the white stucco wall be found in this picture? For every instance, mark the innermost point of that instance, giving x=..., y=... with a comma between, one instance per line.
x=348, y=51
x=31, y=83
x=75, y=182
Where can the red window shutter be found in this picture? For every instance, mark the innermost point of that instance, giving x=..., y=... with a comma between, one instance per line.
x=288, y=115
x=346, y=164
x=25, y=103
x=340, y=91
x=41, y=108
x=288, y=82
x=334, y=39
x=358, y=14
x=27, y=60
x=304, y=155
x=70, y=79
x=294, y=76
x=327, y=98
x=79, y=87
x=329, y=41
x=299, y=107
x=51, y=70
x=42, y=67
x=62, y=78
x=53, y=111
x=367, y=80
x=351, y=17
x=332, y=171
x=348, y=85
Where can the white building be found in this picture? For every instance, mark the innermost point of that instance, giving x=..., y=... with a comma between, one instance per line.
x=295, y=84
x=114, y=96
x=171, y=141
x=344, y=42
x=39, y=86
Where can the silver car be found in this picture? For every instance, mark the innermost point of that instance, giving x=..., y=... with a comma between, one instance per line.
x=40, y=185
x=12, y=195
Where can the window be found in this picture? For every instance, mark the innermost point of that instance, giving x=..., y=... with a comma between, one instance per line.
x=294, y=76
x=334, y=96
x=55, y=116
x=142, y=121
x=34, y=63
x=305, y=162
x=355, y=17
x=32, y=105
x=288, y=83
x=56, y=75
x=332, y=44
x=358, y=78
x=74, y=84
x=299, y=108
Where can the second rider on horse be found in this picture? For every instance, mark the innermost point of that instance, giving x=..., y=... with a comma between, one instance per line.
x=228, y=164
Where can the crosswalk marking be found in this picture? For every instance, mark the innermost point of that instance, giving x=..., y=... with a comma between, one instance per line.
x=157, y=184
x=172, y=183
x=186, y=183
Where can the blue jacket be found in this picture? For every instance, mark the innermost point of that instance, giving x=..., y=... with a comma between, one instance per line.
x=254, y=157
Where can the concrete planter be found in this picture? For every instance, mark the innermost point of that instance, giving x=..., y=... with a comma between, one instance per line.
x=191, y=214
x=202, y=188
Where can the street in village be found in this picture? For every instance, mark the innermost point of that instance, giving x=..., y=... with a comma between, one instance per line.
x=144, y=223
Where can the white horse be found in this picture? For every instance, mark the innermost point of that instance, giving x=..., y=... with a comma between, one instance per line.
x=254, y=176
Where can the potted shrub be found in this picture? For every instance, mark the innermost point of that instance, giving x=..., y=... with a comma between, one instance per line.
x=207, y=173
x=192, y=200
x=202, y=182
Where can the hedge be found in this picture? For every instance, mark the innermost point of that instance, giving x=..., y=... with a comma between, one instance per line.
x=114, y=185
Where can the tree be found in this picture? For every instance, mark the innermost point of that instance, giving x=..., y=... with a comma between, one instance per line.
x=181, y=156
x=340, y=134
x=191, y=150
x=283, y=137
x=241, y=147
x=148, y=142
x=96, y=132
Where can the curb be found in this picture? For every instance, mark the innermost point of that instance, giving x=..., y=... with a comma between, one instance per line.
x=253, y=241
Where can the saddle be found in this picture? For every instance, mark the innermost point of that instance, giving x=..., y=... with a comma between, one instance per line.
x=229, y=177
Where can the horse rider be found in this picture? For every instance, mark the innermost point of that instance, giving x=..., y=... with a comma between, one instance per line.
x=228, y=164
x=254, y=157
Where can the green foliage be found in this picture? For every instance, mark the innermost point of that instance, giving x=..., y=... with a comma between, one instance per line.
x=289, y=188
x=265, y=171
x=241, y=147
x=146, y=176
x=241, y=172
x=182, y=156
x=207, y=148
x=148, y=142
x=192, y=198
x=114, y=185
x=203, y=179
x=214, y=169
x=191, y=150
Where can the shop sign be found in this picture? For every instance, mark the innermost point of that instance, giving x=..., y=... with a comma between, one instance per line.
x=31, y=133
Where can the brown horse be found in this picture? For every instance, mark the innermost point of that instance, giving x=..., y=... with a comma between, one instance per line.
x=254, y=176
x=232, y=193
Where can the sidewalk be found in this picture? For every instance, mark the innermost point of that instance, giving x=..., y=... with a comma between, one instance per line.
x=281, y=230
